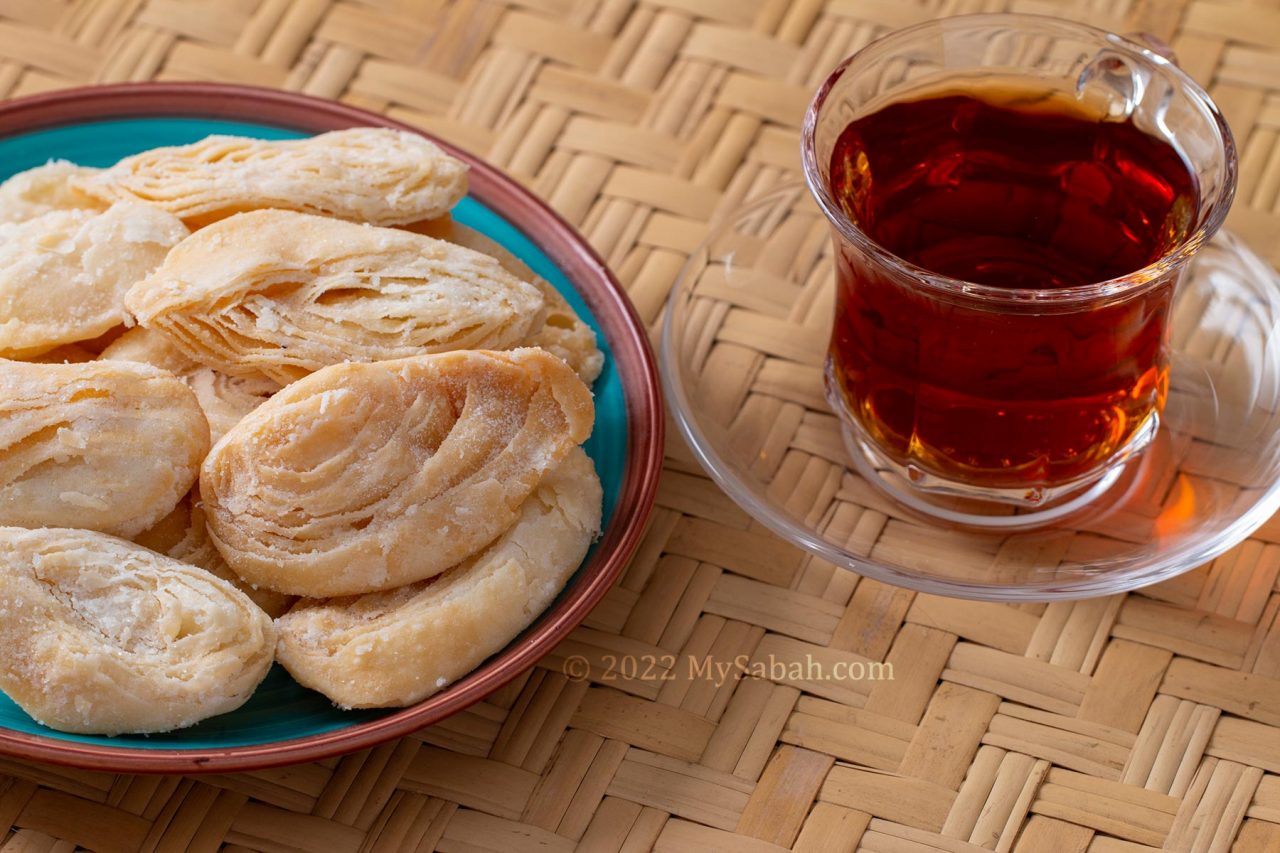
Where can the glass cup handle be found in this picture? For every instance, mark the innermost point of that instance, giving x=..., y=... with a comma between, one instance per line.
x=1113, y=70
x=1153, y=43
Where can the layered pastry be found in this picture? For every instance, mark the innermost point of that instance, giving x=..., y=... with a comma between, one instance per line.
x=282, y=294
x=64, y=273
x=224, y=398
x=101, y=636
x=108, y=446
x=364, y=477
x=45, y=188
x=366, y=174
x=398, y=647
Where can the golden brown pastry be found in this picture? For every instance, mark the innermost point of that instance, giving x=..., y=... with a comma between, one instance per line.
x=65, y=354
x=364, y=477
x=168, y=532
x=109, y=446
x=107, y=338
x=101, y=636
x=183, y=536
x=224, y=399
x=283, y=294
x=63, y=275
x=562, y=332
x=37, y=191
x=80, y=351
x=400, y=646
x=375, y=175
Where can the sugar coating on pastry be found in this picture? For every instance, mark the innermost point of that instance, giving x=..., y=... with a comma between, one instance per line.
x=182, y=535
x=397, y=647
x=109, y=446
x=224, y=399
x=375, y=175
x=562, y=332
x=37, y=191
x=364, y=477
x=64, y=274
x=282, y=294
x=101, y=636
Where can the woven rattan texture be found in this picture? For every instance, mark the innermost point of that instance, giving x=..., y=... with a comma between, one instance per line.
x=1139, y=722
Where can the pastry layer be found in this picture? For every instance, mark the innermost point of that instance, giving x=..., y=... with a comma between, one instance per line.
x=101, y=636
x=225, y=399
x=398, y=647
x=64, y=274
x=562, y=332
x=364, y=477
x=183, y=535
x=37, y=191
x=283, y=294
x=366, y=174
x=108, y=446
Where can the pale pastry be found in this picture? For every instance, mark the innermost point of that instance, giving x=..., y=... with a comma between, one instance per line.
x=397, y=647
x=375, y=175
x=224, y=399
x=364, y=477
x=151, y=347
x=183, y=536
x=37, y=191
x=101, y=636
x=227, y=399
x=563, y=332
x=109, y=446
x=566, y=335
x=63, y=275
x=283, y=294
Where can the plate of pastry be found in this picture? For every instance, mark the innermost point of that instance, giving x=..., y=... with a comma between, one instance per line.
x=313, y=429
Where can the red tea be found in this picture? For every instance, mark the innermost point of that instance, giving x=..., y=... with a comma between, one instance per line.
x=1014, y=193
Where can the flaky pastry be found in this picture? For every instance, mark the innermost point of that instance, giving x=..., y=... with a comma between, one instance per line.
x=101, y=636
x=562, y=332
x=109, y=446
x=151, y=347
x=37, y=191
x=400, y=646
x=283, y=294
x=63, y=274
x=183, y=536
x=364, y=477
x=375, y=175
x=225, y=399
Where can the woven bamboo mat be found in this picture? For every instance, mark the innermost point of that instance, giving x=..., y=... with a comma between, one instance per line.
x=1133, y=723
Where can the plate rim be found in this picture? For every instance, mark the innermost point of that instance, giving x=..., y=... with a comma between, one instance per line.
x=613, y=310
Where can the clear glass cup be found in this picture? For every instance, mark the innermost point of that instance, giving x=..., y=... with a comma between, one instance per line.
x=934, y=377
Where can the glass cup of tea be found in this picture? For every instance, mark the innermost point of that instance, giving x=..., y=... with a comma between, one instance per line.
x=1012, y=200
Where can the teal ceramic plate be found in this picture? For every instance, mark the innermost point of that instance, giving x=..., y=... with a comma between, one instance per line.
x=284, y=722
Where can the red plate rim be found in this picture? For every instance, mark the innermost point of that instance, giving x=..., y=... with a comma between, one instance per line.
x=607, y=300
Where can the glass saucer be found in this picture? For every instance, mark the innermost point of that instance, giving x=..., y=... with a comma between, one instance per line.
x=743, y=347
